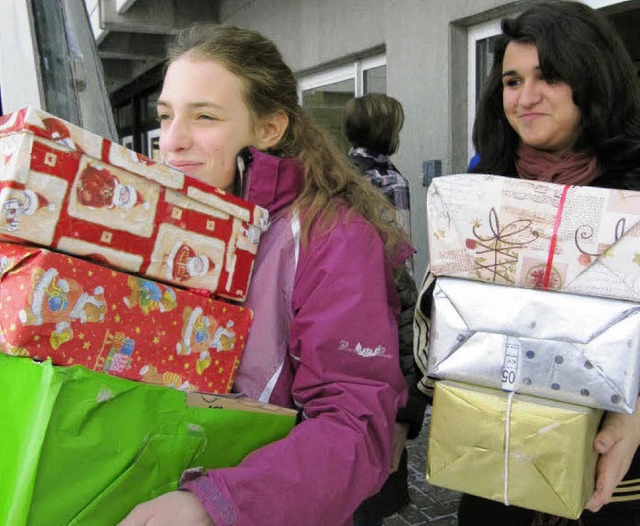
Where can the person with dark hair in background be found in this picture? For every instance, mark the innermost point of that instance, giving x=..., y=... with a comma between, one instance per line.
x=562, y=105
x=372, y=125
x=324, y=337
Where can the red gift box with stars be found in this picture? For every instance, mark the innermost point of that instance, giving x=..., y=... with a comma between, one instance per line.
x=76, y=312
x=76, y=192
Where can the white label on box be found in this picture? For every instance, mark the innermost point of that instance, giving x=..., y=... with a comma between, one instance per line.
x=510, y=364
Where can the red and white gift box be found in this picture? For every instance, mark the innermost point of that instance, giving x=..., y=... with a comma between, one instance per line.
x=78, y=313
x=66, y=188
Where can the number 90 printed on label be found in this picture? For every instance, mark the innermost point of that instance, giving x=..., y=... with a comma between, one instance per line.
x=510, y=364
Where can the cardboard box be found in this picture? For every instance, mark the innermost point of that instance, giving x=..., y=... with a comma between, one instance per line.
x=76, y=312
x=512, y=448
x=577, y=349
x=530, y=234
x=81, y=448
x=64, y=187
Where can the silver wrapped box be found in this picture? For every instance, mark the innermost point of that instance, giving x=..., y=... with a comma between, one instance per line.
x=579, y=349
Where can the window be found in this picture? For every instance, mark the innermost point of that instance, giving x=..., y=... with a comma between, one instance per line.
x=124, y=119
x=136, y=121
x=153, y=144
x=324, y=94
x=481, y=40
x=127, y=142
x=149, y=124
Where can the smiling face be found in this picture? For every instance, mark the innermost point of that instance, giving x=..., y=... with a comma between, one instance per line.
x=204, y=121
x=541, y=112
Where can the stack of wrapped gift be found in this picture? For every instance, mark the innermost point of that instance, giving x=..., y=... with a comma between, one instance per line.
x=99, y=247
x=125, y=238
x=535, y=331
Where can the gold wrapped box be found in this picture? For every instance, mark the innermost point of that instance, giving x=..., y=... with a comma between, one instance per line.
x=513, y=448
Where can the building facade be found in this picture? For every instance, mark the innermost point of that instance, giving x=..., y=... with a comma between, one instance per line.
x=431, y=55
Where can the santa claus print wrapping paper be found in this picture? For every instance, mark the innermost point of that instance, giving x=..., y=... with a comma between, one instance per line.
x=78, y=313
x=530, y=234
x=66, y=188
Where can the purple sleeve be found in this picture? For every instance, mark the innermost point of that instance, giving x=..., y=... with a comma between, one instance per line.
x=348, y=384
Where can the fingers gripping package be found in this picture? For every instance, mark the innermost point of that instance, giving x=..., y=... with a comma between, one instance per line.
x=78, y=313
x=66, y=188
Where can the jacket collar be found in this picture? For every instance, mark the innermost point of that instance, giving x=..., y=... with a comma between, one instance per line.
x=361, y=151
x=271, y=182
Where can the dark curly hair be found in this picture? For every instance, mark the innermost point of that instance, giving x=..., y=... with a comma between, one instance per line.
x=579, y=46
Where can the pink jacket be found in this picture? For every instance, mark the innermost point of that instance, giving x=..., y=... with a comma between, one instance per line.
x=325, y=342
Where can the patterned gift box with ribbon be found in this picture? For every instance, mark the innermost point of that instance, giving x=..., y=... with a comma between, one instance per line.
x=66, y=188
x=512, y=448
x=529, y=234
x=78, y=313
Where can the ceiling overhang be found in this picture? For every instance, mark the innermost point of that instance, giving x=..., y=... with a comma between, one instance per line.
x=132, y=35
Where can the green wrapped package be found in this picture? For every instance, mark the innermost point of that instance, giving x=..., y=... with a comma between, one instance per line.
x=78, y=447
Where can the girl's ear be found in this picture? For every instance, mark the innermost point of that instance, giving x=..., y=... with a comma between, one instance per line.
x=270, y=129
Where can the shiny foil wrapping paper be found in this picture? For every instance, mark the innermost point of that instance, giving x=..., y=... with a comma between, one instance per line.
x=578, y=349
x=527, y=451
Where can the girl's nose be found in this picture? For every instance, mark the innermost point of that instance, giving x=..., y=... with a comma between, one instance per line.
x=530, y=93
x=174, y=136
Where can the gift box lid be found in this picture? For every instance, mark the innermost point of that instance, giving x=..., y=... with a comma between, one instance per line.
x=46, y=126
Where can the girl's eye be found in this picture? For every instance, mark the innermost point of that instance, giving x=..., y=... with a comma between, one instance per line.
x=207, y=117
x=163, y=116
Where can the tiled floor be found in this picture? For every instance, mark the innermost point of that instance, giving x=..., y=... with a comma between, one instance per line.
x=430, y=505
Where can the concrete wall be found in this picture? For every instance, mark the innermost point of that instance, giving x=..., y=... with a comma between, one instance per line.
x=426, y=49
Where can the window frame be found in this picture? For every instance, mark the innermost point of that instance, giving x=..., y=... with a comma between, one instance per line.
x=150, y=136
x=474, y=35
x=351, y=71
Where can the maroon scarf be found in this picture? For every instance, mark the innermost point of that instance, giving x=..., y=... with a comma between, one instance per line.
x=573, y=168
